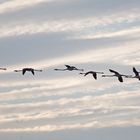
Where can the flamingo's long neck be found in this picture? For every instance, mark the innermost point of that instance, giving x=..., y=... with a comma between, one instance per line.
x=108, y=75
x=127, y=76
x=82, y=73
x=61, y=69
x=18, y=70
x=100, y=72
x=38, y=70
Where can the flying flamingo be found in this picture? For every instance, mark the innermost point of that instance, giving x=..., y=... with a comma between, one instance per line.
x=94, y=74
x=70, y=68
x=117, y=74
x=137, y=75
x=28, y=69
x=3, y=69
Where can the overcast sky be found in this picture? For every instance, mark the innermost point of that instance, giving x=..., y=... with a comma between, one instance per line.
x=94, y=35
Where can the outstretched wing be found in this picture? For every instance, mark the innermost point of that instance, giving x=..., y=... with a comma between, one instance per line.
x=114, y=71
x=68, y=66
x=120, y=78
x=23, y=71
x=135, y=71
x=89, y=72
x=95, y=75
x=33, y=72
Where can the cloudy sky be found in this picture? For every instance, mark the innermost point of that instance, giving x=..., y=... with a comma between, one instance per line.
x=47, y=34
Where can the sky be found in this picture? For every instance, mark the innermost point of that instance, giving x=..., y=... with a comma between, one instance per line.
x=93, y=35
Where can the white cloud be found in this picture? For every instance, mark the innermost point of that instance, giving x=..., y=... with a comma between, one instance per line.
x=14, y=5
x=109, y=34
x=94, y=124
x=106, y=104
x=79, y=25
x=117, y=54
x=41, y=88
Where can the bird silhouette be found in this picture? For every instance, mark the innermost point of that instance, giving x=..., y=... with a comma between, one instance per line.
x=117, y=74
x=137, y=75
x=28, y=69
x=70, y=68
x=3, y=69
x=94, y=74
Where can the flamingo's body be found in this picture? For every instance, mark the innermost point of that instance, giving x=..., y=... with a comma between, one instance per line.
x=94, y=74
x=28, y=69
x=70, y=68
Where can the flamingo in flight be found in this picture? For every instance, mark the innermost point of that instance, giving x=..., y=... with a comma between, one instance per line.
x=3, y=69
x=28, y=69
x=117, y=74
x=137, y=75
x=70, y=68
x=94, y=74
